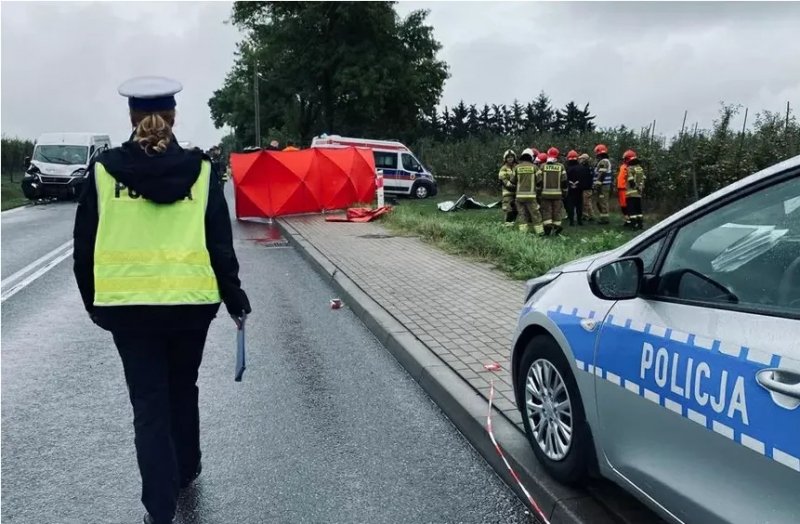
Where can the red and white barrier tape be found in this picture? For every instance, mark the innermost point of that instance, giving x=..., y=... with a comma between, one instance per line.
x=534, y=505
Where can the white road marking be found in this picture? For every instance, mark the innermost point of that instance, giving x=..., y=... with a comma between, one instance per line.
x=33, y=265
x=16, y=288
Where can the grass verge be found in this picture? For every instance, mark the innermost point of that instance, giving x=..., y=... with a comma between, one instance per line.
x=11, y=192
x=480, y=234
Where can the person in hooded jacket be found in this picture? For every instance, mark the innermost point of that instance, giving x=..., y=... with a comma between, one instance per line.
x=574, y=200
x=153, y=260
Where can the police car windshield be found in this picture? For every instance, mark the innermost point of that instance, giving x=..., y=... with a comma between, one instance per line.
x=61, y=154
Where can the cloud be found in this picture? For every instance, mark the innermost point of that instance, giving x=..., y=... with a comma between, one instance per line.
x=62, y=63
x=634, y=62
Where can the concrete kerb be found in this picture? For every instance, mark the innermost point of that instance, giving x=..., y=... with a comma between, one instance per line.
x=462, y=404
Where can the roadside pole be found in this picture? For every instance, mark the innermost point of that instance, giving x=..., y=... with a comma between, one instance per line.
x=379, y=188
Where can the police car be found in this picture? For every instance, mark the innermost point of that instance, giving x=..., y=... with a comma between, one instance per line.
x=403, y=174
x=671, y=365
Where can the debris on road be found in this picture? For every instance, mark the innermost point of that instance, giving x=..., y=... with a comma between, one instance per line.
x=464, y=202
x=492, y=367
x=360, y=214
x=336, y=303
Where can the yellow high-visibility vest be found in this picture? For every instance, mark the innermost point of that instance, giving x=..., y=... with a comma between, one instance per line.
x=152, y=254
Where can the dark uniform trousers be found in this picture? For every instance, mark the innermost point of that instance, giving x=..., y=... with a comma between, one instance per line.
x=161, y=369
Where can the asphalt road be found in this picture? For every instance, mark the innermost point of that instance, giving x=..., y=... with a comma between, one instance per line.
x=31, y=232
x=325, y=427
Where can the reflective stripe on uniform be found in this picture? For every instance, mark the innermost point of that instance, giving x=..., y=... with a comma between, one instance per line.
x=551, y=183
x=152, y=254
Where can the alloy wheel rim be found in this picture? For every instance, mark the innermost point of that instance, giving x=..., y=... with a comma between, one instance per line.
x=549, y=409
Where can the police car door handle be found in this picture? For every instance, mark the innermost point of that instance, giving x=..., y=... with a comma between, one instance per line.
x=780, y=381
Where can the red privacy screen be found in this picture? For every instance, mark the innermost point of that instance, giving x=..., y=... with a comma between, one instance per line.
x=270, y=184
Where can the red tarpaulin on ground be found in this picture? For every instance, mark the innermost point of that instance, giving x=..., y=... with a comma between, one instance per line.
x=269, y=184
x=360, y=214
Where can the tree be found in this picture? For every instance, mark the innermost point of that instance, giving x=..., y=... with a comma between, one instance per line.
x=460, y=113
x=517, y=123
x=543, y=114
x=338, y=67
x=473, y=123
x=485, y=119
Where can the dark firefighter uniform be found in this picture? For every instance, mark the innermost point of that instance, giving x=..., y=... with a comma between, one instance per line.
x=603, y=180
x=634, y=192
x=553, y=178
x=525, y=173
x=509, y=184
x=153, y=259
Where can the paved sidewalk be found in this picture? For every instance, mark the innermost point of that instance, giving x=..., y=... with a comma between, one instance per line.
x=465, y=312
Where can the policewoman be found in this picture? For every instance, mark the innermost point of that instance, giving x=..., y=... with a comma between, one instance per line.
x=154, y=259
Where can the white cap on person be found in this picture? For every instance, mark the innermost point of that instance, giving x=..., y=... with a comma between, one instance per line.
x=150, y=93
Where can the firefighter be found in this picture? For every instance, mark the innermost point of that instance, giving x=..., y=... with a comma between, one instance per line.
x=509, y=187
x=602, y=182
x=634, y=189
x=622, y=183
x=574, y=200
x=553, y=187
x=585, y=184
x=525, y=175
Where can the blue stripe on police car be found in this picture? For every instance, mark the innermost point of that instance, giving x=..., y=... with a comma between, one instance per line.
x=710, y=382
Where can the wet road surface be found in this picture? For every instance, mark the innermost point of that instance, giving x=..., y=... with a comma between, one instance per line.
x=326, y=427
x=31, y=232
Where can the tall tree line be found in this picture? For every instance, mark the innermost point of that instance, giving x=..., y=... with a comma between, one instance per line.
x=539, y=117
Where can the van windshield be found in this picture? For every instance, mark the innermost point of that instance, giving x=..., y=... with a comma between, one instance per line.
x=61, y=154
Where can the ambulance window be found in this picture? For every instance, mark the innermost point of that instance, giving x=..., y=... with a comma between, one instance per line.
x=744, y=255
x=410, y=163
x=385, y=160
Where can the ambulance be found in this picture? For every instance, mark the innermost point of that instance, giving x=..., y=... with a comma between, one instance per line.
x=403, y=174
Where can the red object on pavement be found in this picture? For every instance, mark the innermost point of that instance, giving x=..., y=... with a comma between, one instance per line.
x=360, y=214
x=492, y=367
x=336, y=303
x=269, y=184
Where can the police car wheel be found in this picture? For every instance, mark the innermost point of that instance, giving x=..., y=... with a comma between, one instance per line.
x=421, y=190
x=552, y=411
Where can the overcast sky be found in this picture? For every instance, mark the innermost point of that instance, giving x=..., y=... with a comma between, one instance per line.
x=634, y=62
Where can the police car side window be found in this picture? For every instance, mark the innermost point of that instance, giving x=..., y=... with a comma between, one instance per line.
x=385, y=160
x=649, y=255
x=744, y=255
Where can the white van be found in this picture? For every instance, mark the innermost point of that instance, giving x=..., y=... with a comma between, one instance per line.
x=403, y=174
x=58, y=165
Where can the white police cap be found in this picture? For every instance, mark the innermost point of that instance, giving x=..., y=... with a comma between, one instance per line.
x=150, y=93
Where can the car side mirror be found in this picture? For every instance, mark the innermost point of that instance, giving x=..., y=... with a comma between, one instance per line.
x=618, y=280
x=26, y=162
